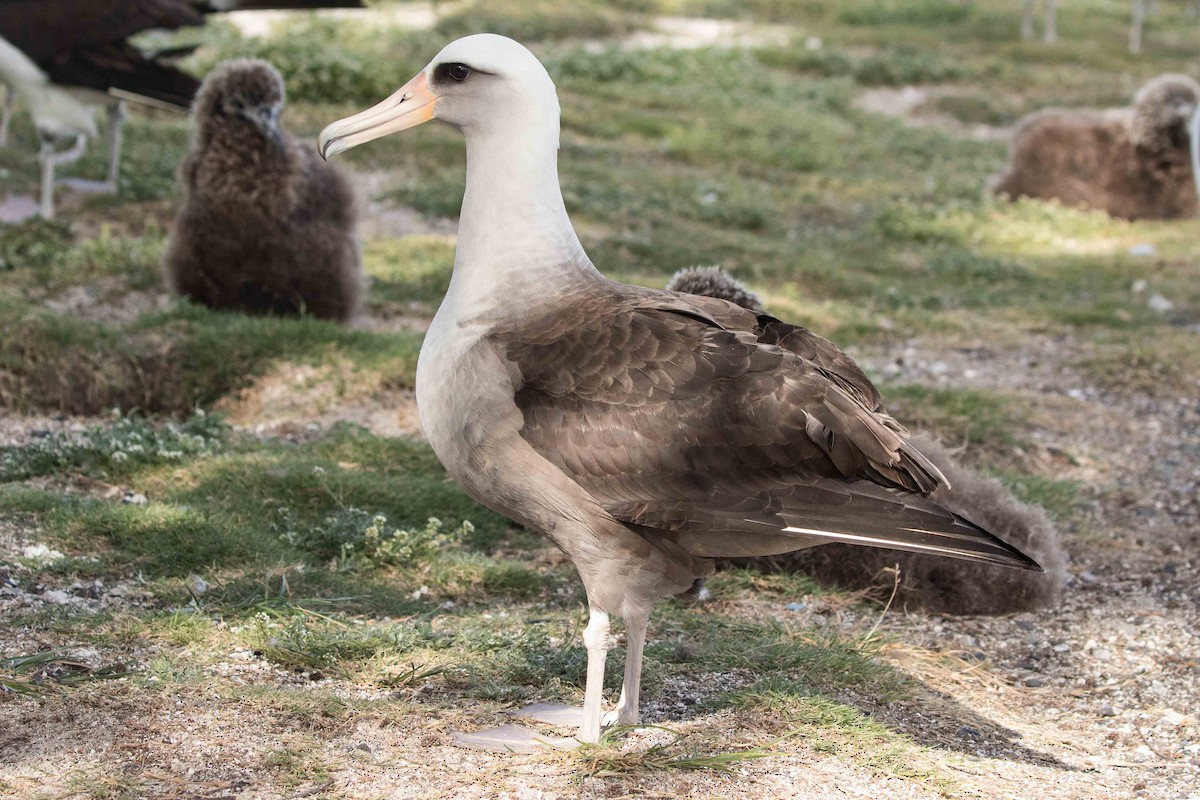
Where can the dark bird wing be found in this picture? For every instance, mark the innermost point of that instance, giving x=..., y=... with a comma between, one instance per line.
x=43, y=29
x=82, y=43
x=729, y=433
x=119, y=69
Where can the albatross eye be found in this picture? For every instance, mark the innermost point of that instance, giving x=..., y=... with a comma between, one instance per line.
x=459, y=72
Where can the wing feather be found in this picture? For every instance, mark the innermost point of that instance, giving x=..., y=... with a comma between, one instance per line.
x=693, y=419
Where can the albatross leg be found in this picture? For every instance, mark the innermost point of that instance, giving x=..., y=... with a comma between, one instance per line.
x=635, y=638
x=49, y=159
x=597, y=640
x=116, y=121
x=10, y=102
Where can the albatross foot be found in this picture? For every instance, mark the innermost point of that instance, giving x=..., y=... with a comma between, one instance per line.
x=512, y=739
x=563, y=716
x=84, y=186
x=556, y=714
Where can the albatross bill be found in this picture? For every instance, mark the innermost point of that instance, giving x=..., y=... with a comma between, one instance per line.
x=411, y=105
x=644, y=432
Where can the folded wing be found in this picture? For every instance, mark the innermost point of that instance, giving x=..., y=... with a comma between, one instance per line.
x=692, y=419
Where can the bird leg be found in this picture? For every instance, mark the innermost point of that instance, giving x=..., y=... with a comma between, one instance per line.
x=49, y=159
x=635, y=641
x=1027, y=19
x=1136, y=23
x=116, y=121
x=596, y=640
x=10, y=102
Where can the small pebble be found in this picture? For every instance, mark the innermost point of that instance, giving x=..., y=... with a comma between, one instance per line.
x=1159, y=303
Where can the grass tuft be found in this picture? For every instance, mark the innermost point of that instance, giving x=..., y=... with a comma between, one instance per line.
x=606, y=759
x=38, y=672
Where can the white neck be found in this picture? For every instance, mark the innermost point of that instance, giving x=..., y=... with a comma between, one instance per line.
x=515, y=240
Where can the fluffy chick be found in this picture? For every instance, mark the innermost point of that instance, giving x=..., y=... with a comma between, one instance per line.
x=266, y=226
x=1131, y=162
x=938, y=584
x=714, y=282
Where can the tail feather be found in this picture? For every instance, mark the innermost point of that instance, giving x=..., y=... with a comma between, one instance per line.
x=921, y=526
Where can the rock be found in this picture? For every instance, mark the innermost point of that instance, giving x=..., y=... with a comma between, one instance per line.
x=1172, y=718
x=1035, y=682
x=41, y=553
x=1158, y=303
x=1107, y=711
x=92, y=590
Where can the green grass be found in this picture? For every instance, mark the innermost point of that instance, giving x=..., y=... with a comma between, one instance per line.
x=958, y=415
x=831, y=726
x=606, y=759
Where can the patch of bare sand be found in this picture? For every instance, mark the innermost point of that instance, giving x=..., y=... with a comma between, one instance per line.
x=914, y=105
x=109, y=301
x=172, y=742
x=298, y=399
x=691, y=33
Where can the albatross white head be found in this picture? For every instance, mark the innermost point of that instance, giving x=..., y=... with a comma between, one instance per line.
x=477, y=84
x=514, y=231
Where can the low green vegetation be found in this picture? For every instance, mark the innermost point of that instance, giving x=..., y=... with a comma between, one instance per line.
x=831, y=726
x=969, y=416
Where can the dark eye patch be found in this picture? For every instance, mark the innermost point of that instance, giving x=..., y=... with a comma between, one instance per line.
x=451, y=72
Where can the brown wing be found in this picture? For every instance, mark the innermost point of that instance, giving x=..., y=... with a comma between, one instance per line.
x=689, y=414
x=46, y=29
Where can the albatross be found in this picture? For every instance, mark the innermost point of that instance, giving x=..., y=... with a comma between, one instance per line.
x=644, y=432
x=59, y=57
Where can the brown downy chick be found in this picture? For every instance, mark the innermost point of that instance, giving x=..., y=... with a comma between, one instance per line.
x=714, y=282
x=266, y=226
x=937, y=584
x=1130, y=162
